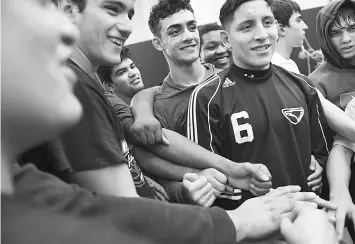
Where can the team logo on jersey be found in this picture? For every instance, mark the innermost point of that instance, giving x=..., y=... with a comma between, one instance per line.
x=294, y=115
x=346, y=98
x=228, y=83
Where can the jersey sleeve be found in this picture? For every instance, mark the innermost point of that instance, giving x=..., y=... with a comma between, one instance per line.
x=93, y=143
x=204, y=117
x=321, y=137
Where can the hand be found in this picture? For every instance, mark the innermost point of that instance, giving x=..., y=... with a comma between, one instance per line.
x=149, y=131
x=161, y=194
x=259, y=218
x=255, y=178
x=308, y=225
x=315, y=179
x=217, y=180
x=345, y=208
x=199, y=190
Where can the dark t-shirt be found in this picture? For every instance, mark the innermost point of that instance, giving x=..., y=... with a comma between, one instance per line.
x=96, y=142
x=271, y=117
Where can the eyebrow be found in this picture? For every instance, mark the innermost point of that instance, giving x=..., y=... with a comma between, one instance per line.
x=120, y=5
x=180, y=24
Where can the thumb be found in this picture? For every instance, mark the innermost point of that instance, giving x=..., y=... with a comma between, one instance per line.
x=288, y=231
x=312, y=165
x=190, y=177
x=262, y=173
x=164, y=139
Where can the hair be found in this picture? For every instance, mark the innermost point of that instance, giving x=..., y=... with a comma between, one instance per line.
x=203, y=29
x=345, y=12
x=104, y=71
x=283, y=10
x=229, y=7
x=80, y=3
x=164, y=9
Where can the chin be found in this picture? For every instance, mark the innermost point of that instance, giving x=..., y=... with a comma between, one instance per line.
x=110, y=60
x=69, y=113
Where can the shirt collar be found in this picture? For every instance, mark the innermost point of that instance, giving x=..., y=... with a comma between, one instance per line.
x=79, y=58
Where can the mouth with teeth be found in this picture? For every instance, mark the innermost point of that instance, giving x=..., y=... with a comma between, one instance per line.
x=116, y=41
x=261, y=48
x=222, y=59
x=188, y=47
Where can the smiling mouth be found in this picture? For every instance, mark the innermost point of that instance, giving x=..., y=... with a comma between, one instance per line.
x=135, y=80
x=261, y=48
x=222, y=59
x=188, y=47
x=116, y=41
x=347, y=48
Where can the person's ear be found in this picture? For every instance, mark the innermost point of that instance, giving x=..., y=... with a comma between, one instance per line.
x=157, y=43
x=281, y=29
x=225, y=40
x=71, y=9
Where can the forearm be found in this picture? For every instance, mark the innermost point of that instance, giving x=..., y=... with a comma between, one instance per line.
x=185, y=152
x=115, y=180
x=175, y=191
x=338, y=120
x=338, y=170
x=161, y=168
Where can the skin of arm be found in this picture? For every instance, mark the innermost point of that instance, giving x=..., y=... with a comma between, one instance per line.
x=114, y=180
x=337, y=119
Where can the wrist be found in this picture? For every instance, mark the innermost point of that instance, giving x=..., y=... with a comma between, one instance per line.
x=238, y=225
x=224, y=165
x=341, y=192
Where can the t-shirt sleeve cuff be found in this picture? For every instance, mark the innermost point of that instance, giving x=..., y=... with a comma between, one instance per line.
x=224, y=230
x=344, y=142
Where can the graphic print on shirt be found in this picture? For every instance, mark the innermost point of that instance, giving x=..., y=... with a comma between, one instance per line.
x=294, y=115
x=136, y=172
x=345, y=98
x=242, y=132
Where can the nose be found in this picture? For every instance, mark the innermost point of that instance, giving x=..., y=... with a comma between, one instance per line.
x=124, y=26
x=221, y=49
x=345, y=37
x=305, y=26
x=260, y=33
x=69, y=32
x=188, y=36
x=131, y=73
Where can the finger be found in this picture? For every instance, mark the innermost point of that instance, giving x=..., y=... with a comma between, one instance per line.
x=222, y=178
x=261, y=184
x=191, y=177
x=288, y=231
x=324, y=204
x=216, y=193
x=228, y=189
x=210, y=202
x=206, y=189
x=339, y=224
x=158, y=136
x=151, y=138
x=258, y=191
x=281, y=205
x=205, y=197
x=313, y=164
x=284, y=190
x=216, y=184
x=165, y=140
x=315, y=182
x=352, y=217
x=261, y=172
x=315, y=175
x=143, y=139
x=317, y=188
x=331, y=216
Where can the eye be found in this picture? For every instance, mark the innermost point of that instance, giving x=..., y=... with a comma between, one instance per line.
x=174, y=32
x=352, y=28
x=269, y=23
x=247, y=27
x=334, y=33
x=193, y=28
x=112, y=10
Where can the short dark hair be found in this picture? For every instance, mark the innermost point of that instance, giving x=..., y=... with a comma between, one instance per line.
x=229, y=7
x=283, y=10
x=203, y=29
x=164, y=9
x=80, y=3
x=346, y=12
x=104, y=71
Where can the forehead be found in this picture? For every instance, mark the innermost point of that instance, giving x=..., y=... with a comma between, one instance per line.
x=179, y=18
x=343, y=22
x=125, y=63
x=212, y=36
x=128, y=5
x=252, y=10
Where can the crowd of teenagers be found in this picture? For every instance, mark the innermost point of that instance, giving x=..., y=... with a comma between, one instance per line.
x=235, y=145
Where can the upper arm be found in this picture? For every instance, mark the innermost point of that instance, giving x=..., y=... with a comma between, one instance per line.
x=142, y=102
x=204, y=118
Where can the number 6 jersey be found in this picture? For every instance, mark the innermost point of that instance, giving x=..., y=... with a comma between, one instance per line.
x=272, y=117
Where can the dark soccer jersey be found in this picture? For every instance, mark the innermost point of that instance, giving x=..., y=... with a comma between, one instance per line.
x=271, y=117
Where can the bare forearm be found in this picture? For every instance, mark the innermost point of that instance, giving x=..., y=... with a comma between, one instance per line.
x=338, y=170
x=114, y=180
x=151, y=163
x=185, y=152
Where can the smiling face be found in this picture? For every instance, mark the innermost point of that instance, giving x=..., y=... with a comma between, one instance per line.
x=104, y=27
x=126, y=78
x=37, y=85
x=252, y=35
x=295, y=32
x=179, y=39
x=213, y=50
x=342, y=37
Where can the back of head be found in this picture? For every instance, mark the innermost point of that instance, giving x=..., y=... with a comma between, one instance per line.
x=229, y=7
x=328, y=17
x=203, y=29
x=283, y=10
x=164, y=9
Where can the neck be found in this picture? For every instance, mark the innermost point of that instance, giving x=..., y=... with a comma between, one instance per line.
x=125, y=98
x=352, y=61
x=6, y=177
x=82, y=59
x=283, y=48
x=187, y=75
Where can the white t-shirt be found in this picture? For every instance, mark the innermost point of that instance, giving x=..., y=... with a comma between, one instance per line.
x=287, y=64
x=350, y=110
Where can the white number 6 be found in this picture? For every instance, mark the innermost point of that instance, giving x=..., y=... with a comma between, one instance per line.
x=237, y=128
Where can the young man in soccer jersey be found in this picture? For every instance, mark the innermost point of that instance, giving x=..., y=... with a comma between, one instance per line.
x=255, y=111
x=212, y=49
